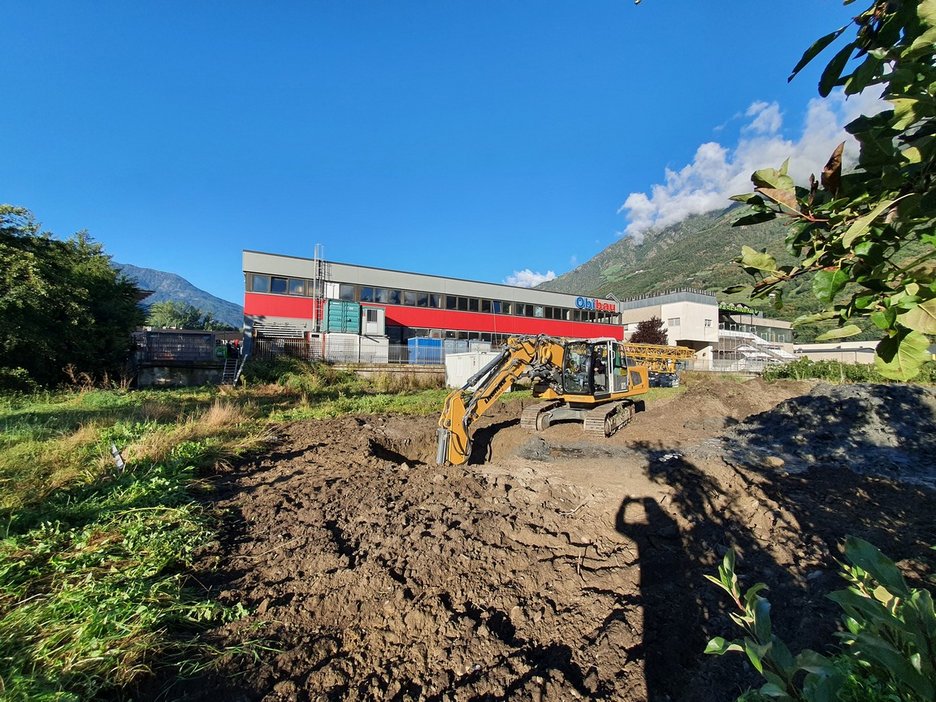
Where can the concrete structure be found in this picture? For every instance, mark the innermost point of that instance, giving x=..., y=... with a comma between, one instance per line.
x=842, y=351
x=690, y=316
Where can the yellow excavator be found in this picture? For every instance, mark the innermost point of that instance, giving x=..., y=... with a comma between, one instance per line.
x=590, y=381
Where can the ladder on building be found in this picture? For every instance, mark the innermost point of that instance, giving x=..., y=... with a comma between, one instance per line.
x=230, y=372
x=319, y=276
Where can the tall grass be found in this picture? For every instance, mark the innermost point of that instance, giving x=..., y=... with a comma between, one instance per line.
x=93, y=559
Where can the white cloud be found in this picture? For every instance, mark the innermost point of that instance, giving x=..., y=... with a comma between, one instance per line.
x=718, y=172
x=527, y=278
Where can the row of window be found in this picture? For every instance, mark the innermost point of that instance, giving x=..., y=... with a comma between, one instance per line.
x=412, y=298
x=398, y=335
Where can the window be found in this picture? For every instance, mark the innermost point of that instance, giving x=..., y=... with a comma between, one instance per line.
x=507, y=307
x=472, y=304
x=463, y=304
x=672, y=322
x=435, y=300
x=296, y=286
x=278, y=285
x=345, y=292
x=367, y=295
x=528, y=310
x=485, y=305
x=451, y=302
x=380, y=295
x=496, y=306
x=708, y=322
x=260, y=283
x=371, y=315
x=422, y=299
x=537, y=311
x=409, y=298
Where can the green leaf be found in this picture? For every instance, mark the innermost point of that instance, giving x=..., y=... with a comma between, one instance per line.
x=827, y=284
x=900, y=357
x=921, y=318
x=786, y=198
x=762, y=619
x=719, y=646
x=755, y=218
x=758, y=260
x=866, y=556
x=840, y=333
x=833, y=71
x=862, y=224
x=773, y=178
x=815, y=50
x=813, y=318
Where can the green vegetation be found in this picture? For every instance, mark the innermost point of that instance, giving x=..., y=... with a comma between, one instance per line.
x=838, y=372
x=94, y=591
x=64, y=310
x=866, y=237
x=886, y=647
x=181, y=315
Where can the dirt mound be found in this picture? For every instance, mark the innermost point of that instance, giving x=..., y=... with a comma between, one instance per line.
x=871, y=429
x=557, y=567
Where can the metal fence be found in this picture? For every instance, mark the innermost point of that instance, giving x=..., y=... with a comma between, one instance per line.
x=346, y=350
x=178, y=347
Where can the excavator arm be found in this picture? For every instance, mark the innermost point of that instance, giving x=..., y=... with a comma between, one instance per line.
x=538, y=358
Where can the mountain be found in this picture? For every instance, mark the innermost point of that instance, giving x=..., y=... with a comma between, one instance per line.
x=698, y=252
x=169, y=286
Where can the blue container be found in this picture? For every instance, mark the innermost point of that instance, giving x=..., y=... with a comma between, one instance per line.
x=425, y=351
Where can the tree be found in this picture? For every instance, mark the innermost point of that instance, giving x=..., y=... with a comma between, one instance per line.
x=650, y=331
x=170, y=314
x=61, y=304
x=868, y=236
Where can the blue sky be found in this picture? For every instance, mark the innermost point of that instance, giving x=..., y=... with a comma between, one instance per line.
x=460, y=138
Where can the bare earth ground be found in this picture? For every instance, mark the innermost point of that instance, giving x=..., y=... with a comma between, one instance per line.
x=558, y=567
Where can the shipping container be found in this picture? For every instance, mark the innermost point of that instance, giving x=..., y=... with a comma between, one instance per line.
x=342, y=316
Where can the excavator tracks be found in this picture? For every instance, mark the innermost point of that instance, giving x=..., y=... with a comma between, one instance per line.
x=605, y=420
x=533, y=417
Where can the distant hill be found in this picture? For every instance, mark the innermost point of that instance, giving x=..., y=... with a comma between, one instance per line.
x=698, y=252
x=169, y=286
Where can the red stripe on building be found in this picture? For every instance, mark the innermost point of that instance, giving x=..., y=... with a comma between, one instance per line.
x=300, y=308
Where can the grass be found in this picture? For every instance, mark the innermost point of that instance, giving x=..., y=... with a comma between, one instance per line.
x=95, y=594
x=93, y=584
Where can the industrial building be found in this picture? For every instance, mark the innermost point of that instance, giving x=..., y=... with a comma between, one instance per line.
x=341, y=311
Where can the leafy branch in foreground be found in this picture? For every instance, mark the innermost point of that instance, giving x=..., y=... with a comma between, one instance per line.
x=889, y=641
x=869, y=234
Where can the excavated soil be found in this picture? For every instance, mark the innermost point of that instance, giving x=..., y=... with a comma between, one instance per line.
x=555, y=566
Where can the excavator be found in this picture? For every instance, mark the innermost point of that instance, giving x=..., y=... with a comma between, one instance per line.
x=591, y=381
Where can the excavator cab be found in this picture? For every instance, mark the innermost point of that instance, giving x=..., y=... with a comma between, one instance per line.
x=594, y=368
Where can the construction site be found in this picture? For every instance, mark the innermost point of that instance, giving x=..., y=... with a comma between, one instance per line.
x=555, y=563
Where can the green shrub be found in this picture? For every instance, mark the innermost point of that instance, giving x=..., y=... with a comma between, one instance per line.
x=888, y=644
x=837, y=372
